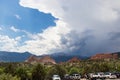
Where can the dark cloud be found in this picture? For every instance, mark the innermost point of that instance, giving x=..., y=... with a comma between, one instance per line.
x=114, y=35
x=84, y=27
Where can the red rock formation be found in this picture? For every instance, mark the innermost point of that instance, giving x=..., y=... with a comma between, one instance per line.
x=32, y=59
x=74, y=60
x=47, y=59
x=43, y=60
x=104, y=56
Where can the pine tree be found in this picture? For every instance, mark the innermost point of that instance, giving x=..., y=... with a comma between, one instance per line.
x=38, y=73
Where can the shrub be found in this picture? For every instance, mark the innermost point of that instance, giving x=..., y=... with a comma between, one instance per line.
x=8, y=77
x=57, y=69
x=21, y=72
x=38, y=73
x=10, y=69
x=74, y=70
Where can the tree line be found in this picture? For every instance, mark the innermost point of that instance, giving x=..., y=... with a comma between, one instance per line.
x=23, y=71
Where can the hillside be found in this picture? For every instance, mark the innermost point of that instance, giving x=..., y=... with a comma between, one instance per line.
x=13, y=56
x=115, y=55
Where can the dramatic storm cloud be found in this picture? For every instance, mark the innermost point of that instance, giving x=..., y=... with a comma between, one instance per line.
x=82, y=27
x=91, y=25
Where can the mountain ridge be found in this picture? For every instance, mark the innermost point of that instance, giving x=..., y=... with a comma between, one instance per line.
x=21, y=57
x=13, y=56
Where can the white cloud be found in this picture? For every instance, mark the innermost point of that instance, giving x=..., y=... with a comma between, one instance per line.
x=18, y=16
x=8, y=44
x=44, y=43
x=18, y=38
x=83, y=25
x=45, y=5
x=14, y=29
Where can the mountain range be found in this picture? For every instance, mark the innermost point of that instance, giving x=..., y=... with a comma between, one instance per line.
x=21, y=57
x=13, y=56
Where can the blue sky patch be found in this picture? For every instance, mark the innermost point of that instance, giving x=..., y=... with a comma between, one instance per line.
x=31, y=20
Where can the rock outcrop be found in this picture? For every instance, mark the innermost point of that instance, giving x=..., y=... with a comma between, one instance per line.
x=47, y=60
x=32, y=59
x=74, y=60
x=42, y=60
x=104, y=56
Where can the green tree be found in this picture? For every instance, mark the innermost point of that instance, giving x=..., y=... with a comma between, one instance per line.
x=10, y=69
x=50, y=73
x=104, y=67
x=21, y=72
x=1, y=70
x=58, y=70
x=8, y=77
x=81, y=70
x=74, y=70
x=95, y=67
x=38, y=73
x=87, y=69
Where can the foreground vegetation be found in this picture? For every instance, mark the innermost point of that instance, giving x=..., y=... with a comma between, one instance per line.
x=26, y=71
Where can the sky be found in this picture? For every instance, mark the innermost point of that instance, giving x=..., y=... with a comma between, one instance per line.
x=82, y=27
